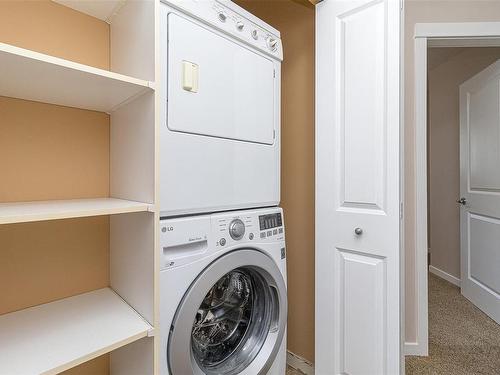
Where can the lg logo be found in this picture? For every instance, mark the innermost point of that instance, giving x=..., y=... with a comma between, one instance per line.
x=167, y=229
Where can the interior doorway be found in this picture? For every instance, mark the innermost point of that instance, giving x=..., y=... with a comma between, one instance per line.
x=448, y=68
x=454, y=322
x=456, y=89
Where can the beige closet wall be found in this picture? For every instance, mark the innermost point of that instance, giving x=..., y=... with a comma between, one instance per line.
x=53, y=152
x=295, y=20
x=426, y=11
x=47, y=27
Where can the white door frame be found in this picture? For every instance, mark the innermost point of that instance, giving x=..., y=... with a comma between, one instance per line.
x=467, y=34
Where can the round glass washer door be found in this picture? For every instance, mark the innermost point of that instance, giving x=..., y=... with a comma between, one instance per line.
x=232, y=319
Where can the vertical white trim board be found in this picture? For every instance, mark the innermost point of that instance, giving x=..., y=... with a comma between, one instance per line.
x=470, y=34
x=444, y=275
x=421, y=246
x=299, y=363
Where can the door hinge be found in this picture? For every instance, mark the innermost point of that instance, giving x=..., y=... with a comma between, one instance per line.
x=401, y=211
x=274, y=73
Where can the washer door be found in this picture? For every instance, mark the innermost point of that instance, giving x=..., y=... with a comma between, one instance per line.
x=232, y=318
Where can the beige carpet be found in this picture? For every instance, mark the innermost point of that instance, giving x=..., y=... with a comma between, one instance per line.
x=462, y=339
x=292, y=371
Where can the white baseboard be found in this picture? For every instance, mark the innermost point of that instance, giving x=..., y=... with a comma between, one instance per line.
x=440, y=273
x=299, y=363
x=413, y=348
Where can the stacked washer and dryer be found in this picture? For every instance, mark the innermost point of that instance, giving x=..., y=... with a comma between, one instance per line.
x=223, y=303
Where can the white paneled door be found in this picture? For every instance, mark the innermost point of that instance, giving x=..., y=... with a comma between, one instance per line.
x=358, y=187
x=480, y=190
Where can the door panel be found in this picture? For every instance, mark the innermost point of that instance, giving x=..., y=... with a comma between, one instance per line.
x=357, y=188
x=483, y=252
x=361, y=105
x=364, y=315
x=234, y=97
x=480, y=186
x=484, y=137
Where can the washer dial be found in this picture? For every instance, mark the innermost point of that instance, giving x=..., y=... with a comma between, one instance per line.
x=236, y=229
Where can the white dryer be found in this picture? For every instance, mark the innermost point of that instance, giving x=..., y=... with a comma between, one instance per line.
x=223, y=303
x=220, y=108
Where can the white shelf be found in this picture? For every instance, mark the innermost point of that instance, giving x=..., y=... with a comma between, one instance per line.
x=56, y=336
x=30, y=75
x=23, y=212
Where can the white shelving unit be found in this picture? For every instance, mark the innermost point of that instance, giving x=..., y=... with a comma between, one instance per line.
x=119, y=320
x=56, y=336
x=23, y=212
x=35, y=76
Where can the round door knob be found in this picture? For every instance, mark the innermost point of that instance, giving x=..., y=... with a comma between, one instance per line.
x=358, y=231
x=462, y=201
x=237, y=229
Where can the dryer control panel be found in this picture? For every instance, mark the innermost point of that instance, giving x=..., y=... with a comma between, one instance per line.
x=236, y=21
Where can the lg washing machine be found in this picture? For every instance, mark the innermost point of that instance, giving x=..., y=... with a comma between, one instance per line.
x=223, y=301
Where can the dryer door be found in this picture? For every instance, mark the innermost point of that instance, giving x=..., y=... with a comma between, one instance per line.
x=217, y=87
x=232, y=319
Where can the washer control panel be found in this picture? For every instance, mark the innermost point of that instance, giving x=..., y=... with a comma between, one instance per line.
x=186, y=238
x=264, y=225
x=234, y=20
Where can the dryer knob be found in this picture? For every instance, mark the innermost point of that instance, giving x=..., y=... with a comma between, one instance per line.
x=222, y=17
x=272, y=44
x=237, y=229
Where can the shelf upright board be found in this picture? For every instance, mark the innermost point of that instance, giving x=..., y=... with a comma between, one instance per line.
x=56, y=336
x=30, y=75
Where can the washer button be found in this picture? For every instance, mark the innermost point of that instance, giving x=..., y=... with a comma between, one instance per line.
x=269, y=233
x=280, y=230
x=222, y=241
x=250, y=236
x=255, y=34
x=262, y=234
x=275, y=231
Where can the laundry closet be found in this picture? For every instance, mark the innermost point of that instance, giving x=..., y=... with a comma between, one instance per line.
x=81, y=121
